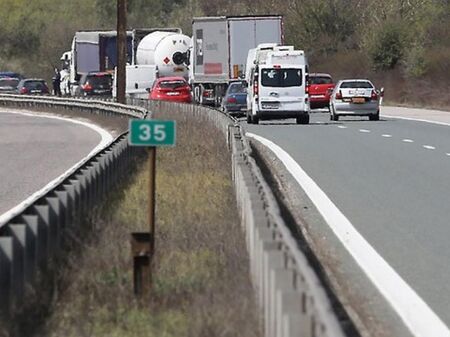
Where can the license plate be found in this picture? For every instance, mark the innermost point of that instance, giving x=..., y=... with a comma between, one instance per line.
x=173, y=93
x=100, y=91
x=358, y=100
x=317, y=96
x=270, y=105
x=35, y=91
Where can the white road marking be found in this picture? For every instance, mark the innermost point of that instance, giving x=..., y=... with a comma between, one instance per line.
x=386, y=136
x=106, y=139
x=417, y=120
x=417, y=315
x=429, y=147
x=407, y=140
x=448, y=153
x=364, y=130
x=342, y=127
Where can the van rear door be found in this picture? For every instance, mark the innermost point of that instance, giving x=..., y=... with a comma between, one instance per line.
x=282, y=88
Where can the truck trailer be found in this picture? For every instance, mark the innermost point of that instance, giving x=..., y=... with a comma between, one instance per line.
x=219, y=51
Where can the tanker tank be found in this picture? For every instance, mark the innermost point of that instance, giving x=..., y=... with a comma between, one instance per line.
x=167, y=50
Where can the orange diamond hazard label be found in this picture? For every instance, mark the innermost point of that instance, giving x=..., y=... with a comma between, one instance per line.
x=166, y=60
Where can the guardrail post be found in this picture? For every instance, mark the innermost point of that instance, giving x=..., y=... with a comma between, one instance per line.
x=18, y=234
x=6, y=276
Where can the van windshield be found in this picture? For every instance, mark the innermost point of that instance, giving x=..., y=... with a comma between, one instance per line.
x=281, y=77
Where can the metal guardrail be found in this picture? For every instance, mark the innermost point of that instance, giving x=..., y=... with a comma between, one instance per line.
x=292, y=300
x=31, y=237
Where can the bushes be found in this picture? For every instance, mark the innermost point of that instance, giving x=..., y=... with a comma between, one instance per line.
x=386, y=47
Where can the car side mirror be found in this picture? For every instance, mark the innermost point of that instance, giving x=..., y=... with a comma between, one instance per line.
x=382, y=92
x=148, y=90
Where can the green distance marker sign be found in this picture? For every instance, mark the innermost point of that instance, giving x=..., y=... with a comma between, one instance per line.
x=152, y=133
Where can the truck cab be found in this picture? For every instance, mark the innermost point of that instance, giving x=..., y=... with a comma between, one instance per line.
x=277, y=87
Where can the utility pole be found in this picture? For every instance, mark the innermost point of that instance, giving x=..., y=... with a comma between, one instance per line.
x=121, y=49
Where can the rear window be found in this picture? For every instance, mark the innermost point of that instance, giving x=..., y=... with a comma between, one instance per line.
x=356, y=85
x=320, y=80
x=9, y=83
x=281, y=77
x=105, y=80
x=35, y=85
x=237, y=88
x=172, y=84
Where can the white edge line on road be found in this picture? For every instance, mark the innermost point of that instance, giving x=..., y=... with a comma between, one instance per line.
x=416, y=119
x=429, y=147
x=417, y=315
x=342, y=127
x=106, y=139
x=364, y=130
x=386, y=136
x=407, y=140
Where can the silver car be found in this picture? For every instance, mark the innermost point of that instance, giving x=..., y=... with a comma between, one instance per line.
x=355, y=97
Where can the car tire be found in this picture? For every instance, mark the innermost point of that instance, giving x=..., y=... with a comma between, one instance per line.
x=304, y=119
x=375, y=117
x=249, y=118
x=255, y=119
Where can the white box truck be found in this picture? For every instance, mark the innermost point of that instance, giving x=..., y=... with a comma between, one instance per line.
x=277, y=85
x=219, y=51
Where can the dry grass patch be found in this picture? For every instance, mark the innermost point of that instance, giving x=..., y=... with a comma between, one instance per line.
x=201, y=277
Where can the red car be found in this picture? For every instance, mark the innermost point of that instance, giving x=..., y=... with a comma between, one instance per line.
x=320, y=87
x=174, y=89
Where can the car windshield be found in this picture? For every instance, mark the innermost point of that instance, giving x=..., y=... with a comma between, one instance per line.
x=281, y=77
x=100, y=80
x=12, y=83
x=237, y=88
x=172, y=84
x=320, y=80
x=35, y=85
x=356, y=85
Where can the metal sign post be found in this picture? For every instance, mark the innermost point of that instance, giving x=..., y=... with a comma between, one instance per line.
x=150, y=133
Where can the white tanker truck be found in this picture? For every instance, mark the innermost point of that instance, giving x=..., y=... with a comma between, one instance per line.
x=165, y=50
x=158, y=54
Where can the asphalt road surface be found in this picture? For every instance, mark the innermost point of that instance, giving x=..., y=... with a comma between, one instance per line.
x=35, y=150
x=391, y=179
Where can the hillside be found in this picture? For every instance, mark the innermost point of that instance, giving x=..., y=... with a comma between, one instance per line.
x=403, y=45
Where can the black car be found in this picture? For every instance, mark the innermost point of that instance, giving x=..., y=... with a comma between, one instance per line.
x=96, y=83
x=8, y=85
x=32, y=86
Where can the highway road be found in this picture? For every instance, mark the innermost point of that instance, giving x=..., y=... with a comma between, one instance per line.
x=391, y=180
x=36, y=150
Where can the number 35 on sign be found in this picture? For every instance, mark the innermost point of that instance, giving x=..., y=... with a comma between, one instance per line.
x=152, y=133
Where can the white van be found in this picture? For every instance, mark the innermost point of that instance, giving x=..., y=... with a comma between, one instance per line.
x=277, y=88
x=139, y=80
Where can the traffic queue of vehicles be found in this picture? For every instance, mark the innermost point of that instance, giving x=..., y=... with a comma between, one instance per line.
x=238, y=63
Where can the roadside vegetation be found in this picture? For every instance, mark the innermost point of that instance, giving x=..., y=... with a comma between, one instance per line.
x=201, y=276
x=402, y=45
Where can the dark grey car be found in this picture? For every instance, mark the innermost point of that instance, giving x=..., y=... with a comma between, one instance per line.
x=235, y=99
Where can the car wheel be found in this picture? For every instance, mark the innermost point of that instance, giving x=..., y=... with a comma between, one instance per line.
x=249, y=118
x=375, y=117
x=335, y=117
x=304, y=119
x=255, y=119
